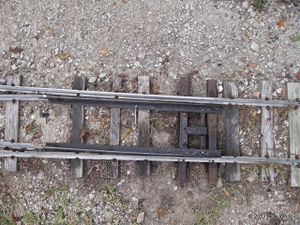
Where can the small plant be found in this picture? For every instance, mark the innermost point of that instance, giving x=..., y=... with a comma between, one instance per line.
x=259, y=4
x=5, y=218
x=155, y=122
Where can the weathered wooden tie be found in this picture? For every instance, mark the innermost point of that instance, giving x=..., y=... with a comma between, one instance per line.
x=232, y=133
x=77, y=165
x=113, y=166
x=12, y=123
x=267, y=137
x=293, y=90
x=183, y=135
x=212, y=124
x=143, y=125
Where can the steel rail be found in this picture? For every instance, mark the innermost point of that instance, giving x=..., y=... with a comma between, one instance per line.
x=112, y=149
x=36, y=151
x=11, y=97
x=94, y=156
x=149, y=97
x=132, y=150
x=135, y=105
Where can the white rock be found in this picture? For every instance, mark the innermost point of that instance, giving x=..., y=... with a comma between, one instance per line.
x=40, y=176
x=220, y=88
x=140, y=217
x=52, y=64
x=92, y=79
x=252, y=13
x=137, y=64
x=254, y=46
x=2, y=81
x=251, y=178
x=173, y=75
x=206, y=58
x=14, y=67
x=91, y=195
x=102, y=75
x=219, y=183
x=245, y=5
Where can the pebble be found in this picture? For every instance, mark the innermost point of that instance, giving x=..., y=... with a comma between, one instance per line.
x=254, y=46
x=14, y=67
x=102, y=75
x=88, y=209
x=219, y=183
x=92, y=80
x=2, y=81
x=140, y=217
x=252, y=13
x=173, y=75
x=52, y=64
x=220, y=89
x=206, y=58
x=40, y=176
x=91, y=195
x=251, y=178
x=137, y=64
x=245, y=5
x=135, y=202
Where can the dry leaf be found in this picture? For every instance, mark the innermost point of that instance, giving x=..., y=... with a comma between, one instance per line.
x=296, y=208
x=256, y=94
x=127, y=131
x=37, y=135
x=280, y=22
x=106, y=119
x=83, y=133
x=29, y=127
x=252, y=64
x=63, y=55
x=103, y=52
x=122, y=75
x=247, y=39
x=193, y=73
x=276, y=112
x=15, y=50
x=68, y=138
x=298, y=75
x=161, y=212
x=50, y=31
x=155, y=88
x=32, y=128
x=254, y=114
x=283, y=92
x=226, y=192
x=94, y=118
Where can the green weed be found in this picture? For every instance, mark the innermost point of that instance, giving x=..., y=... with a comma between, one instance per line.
x=259, y=4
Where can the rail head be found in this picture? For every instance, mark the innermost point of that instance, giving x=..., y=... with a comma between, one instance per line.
x=24, y=150
x=42, y=93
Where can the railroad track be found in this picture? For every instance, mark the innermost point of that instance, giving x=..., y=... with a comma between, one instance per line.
x=208, y=107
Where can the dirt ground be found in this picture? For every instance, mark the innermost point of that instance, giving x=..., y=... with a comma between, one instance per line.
x=51, y=42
